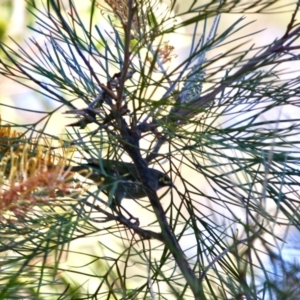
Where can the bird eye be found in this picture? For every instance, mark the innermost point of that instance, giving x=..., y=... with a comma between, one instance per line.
x=165, y=180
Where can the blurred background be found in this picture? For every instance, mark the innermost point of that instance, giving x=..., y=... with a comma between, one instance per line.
x=15, y=22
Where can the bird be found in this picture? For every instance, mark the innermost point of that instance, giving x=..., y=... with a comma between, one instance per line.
x=119, y=179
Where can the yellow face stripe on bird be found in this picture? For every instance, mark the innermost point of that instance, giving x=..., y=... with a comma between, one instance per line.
x=164, y=180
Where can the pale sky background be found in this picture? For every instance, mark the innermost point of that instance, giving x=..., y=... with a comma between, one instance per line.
x=13, y=94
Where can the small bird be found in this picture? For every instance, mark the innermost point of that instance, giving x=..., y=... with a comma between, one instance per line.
x=120, y=179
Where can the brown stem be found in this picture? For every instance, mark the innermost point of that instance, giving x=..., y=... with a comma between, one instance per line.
x=131, y=146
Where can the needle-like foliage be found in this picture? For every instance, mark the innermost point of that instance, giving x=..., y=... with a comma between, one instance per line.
x=215, y=122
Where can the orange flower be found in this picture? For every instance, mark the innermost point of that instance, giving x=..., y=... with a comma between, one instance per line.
x=32, y=178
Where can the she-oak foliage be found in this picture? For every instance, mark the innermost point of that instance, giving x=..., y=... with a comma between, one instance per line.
x=221, y=230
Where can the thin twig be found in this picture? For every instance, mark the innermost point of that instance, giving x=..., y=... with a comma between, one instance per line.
x=145, y=234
